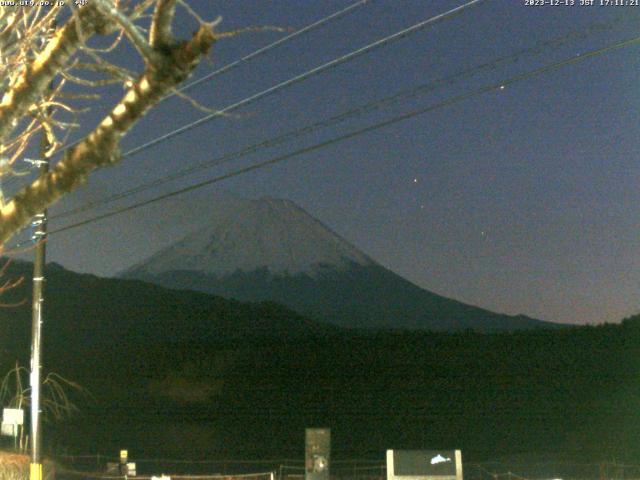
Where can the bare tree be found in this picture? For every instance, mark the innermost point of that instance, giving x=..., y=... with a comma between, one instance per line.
x=43, y=50
x=57, y=399
x=8, y=284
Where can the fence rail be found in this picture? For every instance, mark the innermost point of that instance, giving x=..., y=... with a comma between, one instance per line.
x=93, y=467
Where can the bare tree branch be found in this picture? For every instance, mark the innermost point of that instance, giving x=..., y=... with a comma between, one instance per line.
x=34, y=80
x=101, y=147
x=160, y=33
x=33, y=55
x=9, y=285
x=132, y=31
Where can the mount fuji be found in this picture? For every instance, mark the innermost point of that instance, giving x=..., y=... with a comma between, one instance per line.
x=271, y=249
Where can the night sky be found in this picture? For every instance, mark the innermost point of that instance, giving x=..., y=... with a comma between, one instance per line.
x=523, y=199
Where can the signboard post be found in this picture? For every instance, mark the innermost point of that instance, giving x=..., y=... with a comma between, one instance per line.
x=124, y=458
x=12, y=420
x=317, y=453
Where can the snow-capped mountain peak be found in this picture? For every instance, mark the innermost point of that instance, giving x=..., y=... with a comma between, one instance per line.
x=272, y=250
x=248, y=235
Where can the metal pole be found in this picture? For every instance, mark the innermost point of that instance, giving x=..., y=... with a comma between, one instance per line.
x=40, y=232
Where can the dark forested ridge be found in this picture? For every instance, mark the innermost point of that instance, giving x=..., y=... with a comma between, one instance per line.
x=360, y=296
x=271, y=249
x=187, y=374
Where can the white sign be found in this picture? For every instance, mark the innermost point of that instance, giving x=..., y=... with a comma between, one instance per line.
x=14, y=416
x=424, y=465
x=9, y=429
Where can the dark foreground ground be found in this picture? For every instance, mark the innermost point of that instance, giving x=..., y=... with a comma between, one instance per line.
x=205, y=378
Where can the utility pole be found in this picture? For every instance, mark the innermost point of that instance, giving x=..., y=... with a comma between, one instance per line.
x=40, y=232
x=40, y=236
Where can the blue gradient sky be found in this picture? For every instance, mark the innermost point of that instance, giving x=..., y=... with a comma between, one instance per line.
x=522, y=200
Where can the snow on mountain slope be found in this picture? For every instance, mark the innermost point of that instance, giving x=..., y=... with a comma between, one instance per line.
x=247, y=235
x=272, y=250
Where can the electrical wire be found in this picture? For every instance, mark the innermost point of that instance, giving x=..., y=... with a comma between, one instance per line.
x=377, y=126
x=360, y=110
x=306, y=75
x=251, y=56
x=277, y=43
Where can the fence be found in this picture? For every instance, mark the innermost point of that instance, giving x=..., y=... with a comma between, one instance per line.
x=92, y=467
x=550, y=471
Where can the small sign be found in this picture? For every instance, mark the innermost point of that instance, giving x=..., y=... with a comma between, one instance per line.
x=131, y=469
x=14, y=416
x=317, y=453
x=9, y=429
x=124, y=455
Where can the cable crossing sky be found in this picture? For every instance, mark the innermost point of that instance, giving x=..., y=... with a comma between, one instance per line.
x=422, y=89
x=377, y=126
x=256, y=53
x=306, y=75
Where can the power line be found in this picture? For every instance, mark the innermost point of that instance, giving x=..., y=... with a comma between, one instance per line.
x=252, y=55
x=306, y=75
x=301, y=77
x=376, y=126
x=260, y=51
x=359, y=110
